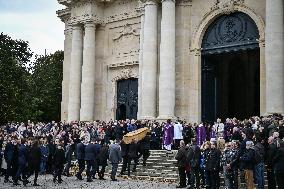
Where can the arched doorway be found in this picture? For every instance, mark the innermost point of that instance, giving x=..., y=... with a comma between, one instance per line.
x=127, y=99
x=230, y=68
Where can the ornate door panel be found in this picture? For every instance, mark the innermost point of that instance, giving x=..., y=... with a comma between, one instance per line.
x=127, y=99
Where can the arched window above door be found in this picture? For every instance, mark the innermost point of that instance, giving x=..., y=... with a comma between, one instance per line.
x=233, y=32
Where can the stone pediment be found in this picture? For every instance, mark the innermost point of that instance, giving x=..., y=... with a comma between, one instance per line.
x=69, y=2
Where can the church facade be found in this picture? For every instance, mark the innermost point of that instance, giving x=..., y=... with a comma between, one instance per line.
x=158, y=59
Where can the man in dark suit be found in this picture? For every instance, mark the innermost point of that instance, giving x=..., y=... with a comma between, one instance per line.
x=9, y=156
x=22, y=163
x=132, y=155
x=80, y=151
x=102, y=160
x=90, y=157
x=124, y=154
x=144, y=146
x=58, y=161
x=181, y=163
x=34, y=157
x=114, y=158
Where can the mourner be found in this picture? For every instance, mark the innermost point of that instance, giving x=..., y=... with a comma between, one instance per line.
x=114, y=158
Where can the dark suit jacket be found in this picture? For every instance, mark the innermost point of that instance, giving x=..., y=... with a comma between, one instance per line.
x=22, y=155
x=59, y=158
x=181, y=157
x=34, y=157
x=91, y=152
x=124, y=149
x=103, y=156
x=133, y=153
x=9, y=152
x=80, y=151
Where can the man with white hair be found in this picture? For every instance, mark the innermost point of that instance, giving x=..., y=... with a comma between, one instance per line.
x=247, y=163
x=219, y=128
x=181, y=163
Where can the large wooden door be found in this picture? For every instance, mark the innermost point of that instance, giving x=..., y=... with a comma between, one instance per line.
x=127, y=99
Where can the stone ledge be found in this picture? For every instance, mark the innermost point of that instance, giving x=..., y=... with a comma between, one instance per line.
x=123, y=64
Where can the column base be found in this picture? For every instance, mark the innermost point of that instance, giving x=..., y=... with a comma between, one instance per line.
x=271, y=113
x=165, y=117
x=147, y=117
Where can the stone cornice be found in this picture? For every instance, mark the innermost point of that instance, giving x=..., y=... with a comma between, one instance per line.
x=70, y=2
x=123, y=64
x=65, y=2
x=184, y=3
x=64, y=14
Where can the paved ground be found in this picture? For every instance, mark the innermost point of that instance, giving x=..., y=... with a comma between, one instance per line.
x=72, y=183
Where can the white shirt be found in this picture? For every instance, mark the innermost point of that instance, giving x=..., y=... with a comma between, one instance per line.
x=219, y=127
x=178, y=131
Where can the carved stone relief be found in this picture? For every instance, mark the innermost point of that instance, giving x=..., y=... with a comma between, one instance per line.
x=125, y=44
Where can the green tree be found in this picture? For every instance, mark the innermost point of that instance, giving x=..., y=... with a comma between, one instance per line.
x=28, y=91
x=46, y=81
x=14, y=56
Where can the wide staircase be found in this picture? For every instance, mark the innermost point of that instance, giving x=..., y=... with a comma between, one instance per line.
x=161, y=167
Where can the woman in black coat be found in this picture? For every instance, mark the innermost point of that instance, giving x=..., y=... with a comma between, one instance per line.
x=34, y=161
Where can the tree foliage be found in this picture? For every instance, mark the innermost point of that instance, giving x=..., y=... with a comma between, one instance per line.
x=28, y=92
x=47, y=78
x=14, y=54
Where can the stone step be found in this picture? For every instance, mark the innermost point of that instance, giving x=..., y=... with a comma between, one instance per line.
x=160, y=167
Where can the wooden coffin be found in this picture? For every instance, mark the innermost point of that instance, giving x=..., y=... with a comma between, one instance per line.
x=137, y=135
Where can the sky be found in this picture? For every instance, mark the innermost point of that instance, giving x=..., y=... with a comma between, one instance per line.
x=34, y=21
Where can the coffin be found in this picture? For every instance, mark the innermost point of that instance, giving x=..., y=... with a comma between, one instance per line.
x=137, y=135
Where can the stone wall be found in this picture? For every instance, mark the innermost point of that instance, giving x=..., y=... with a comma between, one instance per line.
x=119, y=48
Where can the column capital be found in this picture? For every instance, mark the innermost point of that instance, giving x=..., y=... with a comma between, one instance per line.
x=150, y=2
x=141, y=8
x=89, y=24
x=77, y=27
x=168, y=0
x=68, y=30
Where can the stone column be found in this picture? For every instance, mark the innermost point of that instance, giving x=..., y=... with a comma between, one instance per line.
x=75, y=74
x=167, y=61
x=66, y=73
x=150, y=58
x=274, y=56
x=88, y=74
x=140, y=65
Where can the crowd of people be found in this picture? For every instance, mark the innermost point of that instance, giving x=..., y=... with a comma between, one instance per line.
x=236, y=148
x=241, y=150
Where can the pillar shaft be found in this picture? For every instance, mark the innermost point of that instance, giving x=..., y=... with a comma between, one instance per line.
x=149, y=70
x=75, y=74
x=88, y=74
x=167, y=61
x=140, y=66
x=274, y=56
x=66, y=73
